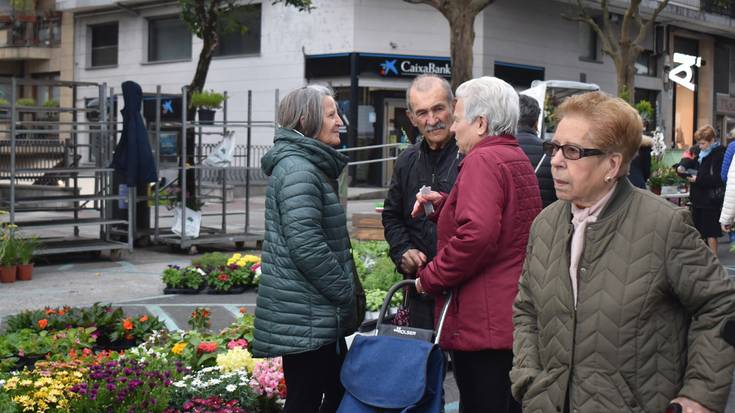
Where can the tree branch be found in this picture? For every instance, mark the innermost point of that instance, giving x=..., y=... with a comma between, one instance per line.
x=645, y=29
x=478, y=5
x=433, y=3
x=631, y=11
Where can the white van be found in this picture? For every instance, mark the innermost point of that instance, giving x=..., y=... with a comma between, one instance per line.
x=550, y=94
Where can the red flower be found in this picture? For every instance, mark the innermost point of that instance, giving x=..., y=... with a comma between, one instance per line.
x=243, y=310
x=223, y=277
x=143, y=319
x=42, y=323
x=127, y=324
x=207, y=347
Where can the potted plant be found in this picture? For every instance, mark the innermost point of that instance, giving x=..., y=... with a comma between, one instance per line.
x=8, y=254
x=208, y=103
x=52, y=105
x=188, y=280
x=645, y=109
x=225, y=282
x=25, y=249
x=26, y=102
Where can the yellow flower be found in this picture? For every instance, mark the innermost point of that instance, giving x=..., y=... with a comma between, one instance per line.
x=236, y=359
x=178, y=348
x=26, y=382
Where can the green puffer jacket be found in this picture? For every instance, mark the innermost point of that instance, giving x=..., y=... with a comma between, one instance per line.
x=651, y=301
x=305, y=298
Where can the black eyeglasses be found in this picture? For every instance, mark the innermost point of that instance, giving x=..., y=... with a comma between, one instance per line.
x=571, y=152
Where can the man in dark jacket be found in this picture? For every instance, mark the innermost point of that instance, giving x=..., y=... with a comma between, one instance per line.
x=432, y=161
x=529, y=141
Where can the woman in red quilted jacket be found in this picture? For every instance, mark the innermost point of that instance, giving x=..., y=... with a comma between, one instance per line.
x=482, y=231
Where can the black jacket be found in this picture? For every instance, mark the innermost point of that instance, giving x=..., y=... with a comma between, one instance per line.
x=413, y=170
x=531, y=145
x=640, y=167
x=708, y=179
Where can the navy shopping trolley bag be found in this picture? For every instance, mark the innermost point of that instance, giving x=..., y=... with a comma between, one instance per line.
x=397, y=370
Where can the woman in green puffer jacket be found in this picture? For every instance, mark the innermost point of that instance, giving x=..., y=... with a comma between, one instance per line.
x=305, y=298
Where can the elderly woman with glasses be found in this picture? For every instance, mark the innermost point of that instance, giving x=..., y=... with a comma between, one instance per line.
x=620, y=303
x=482, y=231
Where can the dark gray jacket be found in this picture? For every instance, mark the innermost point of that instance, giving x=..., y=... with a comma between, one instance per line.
x=531, y=145
x=305, y=298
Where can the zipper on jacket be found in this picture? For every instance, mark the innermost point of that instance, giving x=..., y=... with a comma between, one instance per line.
x=568, y=395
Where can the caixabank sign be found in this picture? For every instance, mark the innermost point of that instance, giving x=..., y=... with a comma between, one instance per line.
x=377, y=65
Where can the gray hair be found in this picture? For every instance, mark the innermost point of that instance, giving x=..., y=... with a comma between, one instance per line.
x=306, y=103
x=493, y=99
x=424, y=83
x=529, y=113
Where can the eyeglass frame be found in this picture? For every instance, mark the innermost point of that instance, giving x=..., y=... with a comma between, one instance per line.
x=551, y=148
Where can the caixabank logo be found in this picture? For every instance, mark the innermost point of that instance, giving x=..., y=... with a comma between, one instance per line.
x=409, y=67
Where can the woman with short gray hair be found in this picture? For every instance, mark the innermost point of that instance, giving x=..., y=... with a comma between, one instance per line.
x=482, y=231
x=306, y=296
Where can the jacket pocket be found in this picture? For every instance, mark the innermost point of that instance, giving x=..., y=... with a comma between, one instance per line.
x=536, y=394
x=629, y=397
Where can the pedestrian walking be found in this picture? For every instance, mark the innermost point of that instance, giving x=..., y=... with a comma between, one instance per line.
x=707, y=191
x=620, y=303
x=482, y=231
x=305, y=299
x=432, y=161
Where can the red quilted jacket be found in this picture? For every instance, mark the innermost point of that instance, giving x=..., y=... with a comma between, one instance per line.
x=482, y=232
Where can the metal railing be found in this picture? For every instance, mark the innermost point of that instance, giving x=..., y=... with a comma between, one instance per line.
x=39, y=32
x=722, y=7
x=237, y=173
x=35, y=154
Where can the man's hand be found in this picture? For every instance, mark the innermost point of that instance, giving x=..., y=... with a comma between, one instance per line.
x=412, y=260
x=418, y=209
x=726, y=227
x=690, y=406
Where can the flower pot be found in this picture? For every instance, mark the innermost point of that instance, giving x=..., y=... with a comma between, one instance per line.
x=182, y=290
x=206, y=116
x=233, y=290
x=7, y=273
x=25, y=272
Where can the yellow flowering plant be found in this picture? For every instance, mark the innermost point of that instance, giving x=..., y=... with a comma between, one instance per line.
x=46, y=388
x=241, y=269
x=236, y=358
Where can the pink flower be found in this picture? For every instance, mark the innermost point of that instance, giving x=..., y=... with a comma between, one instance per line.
x=241, y=342
x=268, y=378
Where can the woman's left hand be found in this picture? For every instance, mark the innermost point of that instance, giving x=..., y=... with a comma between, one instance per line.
x=419, y=289
x=690, y=406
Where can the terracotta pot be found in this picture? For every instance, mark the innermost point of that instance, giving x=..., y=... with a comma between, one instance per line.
x=25, y=272
x=7, y=274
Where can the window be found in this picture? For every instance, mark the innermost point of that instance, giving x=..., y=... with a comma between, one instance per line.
x=587, y=43
x=240, y=34
x=168, y=39
x=732, y=70
x=104, y=44
x=519, y=76
x=646, y=64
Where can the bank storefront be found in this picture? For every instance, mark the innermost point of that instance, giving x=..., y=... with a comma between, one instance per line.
x=371, y=92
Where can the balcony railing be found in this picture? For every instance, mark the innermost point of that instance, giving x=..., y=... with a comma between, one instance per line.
x=722, y=7
x=30, y=31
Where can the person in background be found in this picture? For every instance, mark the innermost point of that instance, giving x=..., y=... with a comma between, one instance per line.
x=306, y=295
x=706, y=188
x=640, y=166
x=726, y=161
x=482, y=231
x=529, y=141
x=620, y=303
x=688, y=165
x=431, y=161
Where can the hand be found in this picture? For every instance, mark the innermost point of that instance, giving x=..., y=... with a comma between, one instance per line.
x=726, y=227
x=419, y=289
x=433, y=197
x=692, y=178
x=412, y=260
x=690, y=406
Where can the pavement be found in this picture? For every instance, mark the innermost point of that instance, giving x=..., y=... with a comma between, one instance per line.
x=133, y=282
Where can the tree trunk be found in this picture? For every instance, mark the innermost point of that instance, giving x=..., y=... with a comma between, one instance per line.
x=209, y=41
x=625, y=71
x=462, y=28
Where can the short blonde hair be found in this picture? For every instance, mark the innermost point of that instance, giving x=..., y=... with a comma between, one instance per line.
x=705, y=133
x=615, y=125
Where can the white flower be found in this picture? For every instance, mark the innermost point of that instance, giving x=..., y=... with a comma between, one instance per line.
x=230, y=388
x=2, y=382
x=180, y=384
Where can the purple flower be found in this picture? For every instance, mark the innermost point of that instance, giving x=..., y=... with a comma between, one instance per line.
x=110, y=387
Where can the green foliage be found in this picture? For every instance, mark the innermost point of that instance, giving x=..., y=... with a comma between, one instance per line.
x=51, y=103
x=25, y=249
x=6, y=406
x=8, y=246
x=663, y=175
x=26, y=102
x=210, y=261
x=187, y=277
x=208, y=100
x=625, y=94
x=375, y=297
x=4, y=102
x=22, y=5
x=645, y=109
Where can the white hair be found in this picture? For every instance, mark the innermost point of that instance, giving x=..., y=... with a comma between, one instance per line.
x=493, y=99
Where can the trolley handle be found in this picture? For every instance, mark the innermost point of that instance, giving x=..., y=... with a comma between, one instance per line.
x=412, y=283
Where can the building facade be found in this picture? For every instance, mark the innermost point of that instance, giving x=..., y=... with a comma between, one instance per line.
x=369, y=50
